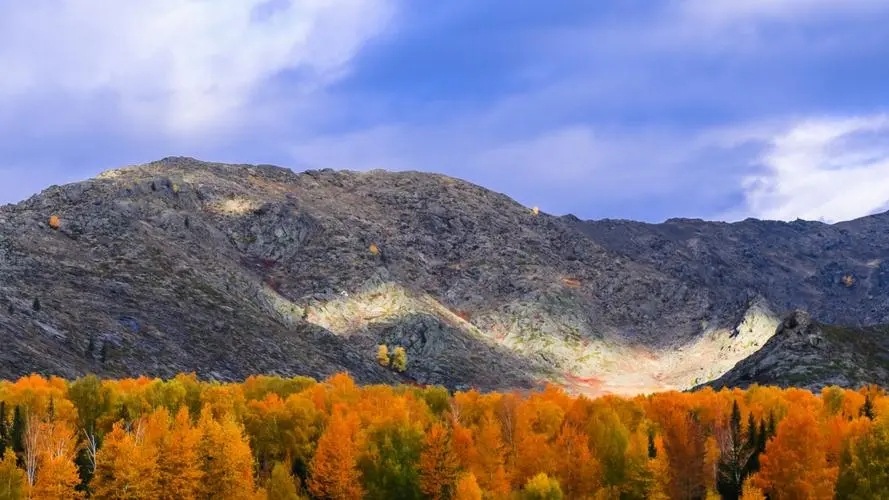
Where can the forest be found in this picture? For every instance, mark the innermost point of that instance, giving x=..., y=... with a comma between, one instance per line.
x=297, y=438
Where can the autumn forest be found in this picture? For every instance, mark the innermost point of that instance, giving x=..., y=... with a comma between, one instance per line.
x=295, y=438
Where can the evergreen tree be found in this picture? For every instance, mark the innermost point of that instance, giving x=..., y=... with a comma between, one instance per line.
x=867, y=409
x=4, y=428
x=17, y=435
x=51, y=409
x=761, y=437
x=652, y=448
x=734, y=457
x=36, y=304
x=751, y=431
x=124, y=416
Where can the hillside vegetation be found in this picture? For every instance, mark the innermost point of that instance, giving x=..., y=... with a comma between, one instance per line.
x=278, y=438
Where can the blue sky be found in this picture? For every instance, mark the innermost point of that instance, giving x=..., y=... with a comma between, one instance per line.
x=642, y=109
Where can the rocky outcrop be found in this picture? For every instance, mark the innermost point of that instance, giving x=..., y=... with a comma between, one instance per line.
x=803, y=353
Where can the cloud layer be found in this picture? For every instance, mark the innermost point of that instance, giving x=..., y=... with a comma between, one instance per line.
x=682, y=108
x=828, y=169
x=182, y=67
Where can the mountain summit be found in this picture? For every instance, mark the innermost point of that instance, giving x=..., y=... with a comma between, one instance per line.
x=231, y=270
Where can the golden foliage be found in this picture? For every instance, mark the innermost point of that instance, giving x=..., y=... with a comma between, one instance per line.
x=795, y=461
x=188, y=439
x=54, y=221
x=126, y=463
x=282, y=484
x=12, y=479
x=383, y=355
x=468, y=488
x=438, y=464
x=226, y=459
x=55, y=448
x=334, y=472
x=542, y=487
x=399, y=359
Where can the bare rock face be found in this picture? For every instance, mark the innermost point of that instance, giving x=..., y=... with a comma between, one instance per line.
x=231, y=270
x=803, y=353
x=839, y=273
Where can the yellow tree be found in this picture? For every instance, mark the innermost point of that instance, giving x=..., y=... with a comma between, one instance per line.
x=438, y=464
x=686, y=449
x=383, y=355
x=489, y=467
x=334, y=471
x=794, y=465
x=577, y=469
x=399, y=359
x=468, y=488
x=12, y=479
x=864, y=467
x=56, y=472
x=179, y=471
x=464, y=445
x=226, y=459
x=126, y=467
x=749, y=491
x=282, y=485
x=537, y=423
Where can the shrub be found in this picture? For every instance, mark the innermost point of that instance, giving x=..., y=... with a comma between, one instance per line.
x=399, y=359
x=383, y=355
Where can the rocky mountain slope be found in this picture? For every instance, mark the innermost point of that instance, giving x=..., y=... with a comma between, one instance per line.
x=838, y=272
x=229, y=270
x=803, y=353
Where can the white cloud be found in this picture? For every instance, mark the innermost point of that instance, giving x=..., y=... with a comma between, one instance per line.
x=181, y=66
x=825, y=169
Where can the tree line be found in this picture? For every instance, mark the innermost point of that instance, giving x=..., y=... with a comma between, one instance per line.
x=297, y=438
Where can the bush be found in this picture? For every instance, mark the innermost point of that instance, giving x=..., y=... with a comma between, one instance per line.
x=383, y=355
x=399, y=359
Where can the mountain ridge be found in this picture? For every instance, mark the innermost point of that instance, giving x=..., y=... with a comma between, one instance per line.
x=229, y=270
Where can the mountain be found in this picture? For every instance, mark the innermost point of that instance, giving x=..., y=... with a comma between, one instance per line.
x=230, y=270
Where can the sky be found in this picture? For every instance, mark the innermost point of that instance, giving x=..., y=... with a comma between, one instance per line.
x=627, y=109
